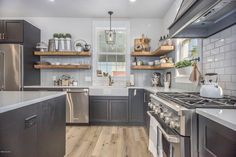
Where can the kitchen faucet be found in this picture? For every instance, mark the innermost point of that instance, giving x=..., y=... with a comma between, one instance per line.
x=110, y=80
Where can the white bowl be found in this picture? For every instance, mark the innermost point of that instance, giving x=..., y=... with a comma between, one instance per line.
x=150, y=63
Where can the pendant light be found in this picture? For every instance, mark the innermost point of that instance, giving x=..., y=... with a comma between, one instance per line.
x=110, y=35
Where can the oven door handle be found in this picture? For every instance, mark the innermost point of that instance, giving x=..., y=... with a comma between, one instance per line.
x=169, y=138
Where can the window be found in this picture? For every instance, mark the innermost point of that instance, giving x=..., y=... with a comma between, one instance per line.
x=186, y=49
x=111, y=58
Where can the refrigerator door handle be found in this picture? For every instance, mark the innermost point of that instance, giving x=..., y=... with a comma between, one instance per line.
x=2, y=87
x=22, y=68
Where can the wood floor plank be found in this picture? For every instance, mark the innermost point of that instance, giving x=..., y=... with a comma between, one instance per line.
x=106, y=141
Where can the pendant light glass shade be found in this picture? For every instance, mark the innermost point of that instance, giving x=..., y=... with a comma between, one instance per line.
x=110, y=35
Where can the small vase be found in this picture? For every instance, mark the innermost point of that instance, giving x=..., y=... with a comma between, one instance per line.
x=61, y=44
x=68, y=44
x=56, y=43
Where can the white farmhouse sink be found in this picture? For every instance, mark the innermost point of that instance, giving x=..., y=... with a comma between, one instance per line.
x=108, y=91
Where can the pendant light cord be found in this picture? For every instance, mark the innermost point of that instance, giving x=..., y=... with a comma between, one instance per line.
x=110, y=13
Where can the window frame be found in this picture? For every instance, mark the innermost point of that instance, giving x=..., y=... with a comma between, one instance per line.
x=188, y=70
x=119, y=25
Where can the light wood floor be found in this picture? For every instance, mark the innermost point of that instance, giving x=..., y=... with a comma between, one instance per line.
x=106, y=141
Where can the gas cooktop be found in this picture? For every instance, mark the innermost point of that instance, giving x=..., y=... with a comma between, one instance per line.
x=194, y=100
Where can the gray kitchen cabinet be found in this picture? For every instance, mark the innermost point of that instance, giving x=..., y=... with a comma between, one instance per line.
x=136, y=103
x=98, y=109
x=37, y=130
x=119, y=111
x=215, y=140
x=51, y=128
x=18, y=132
x=108, y=110
x=146, y=108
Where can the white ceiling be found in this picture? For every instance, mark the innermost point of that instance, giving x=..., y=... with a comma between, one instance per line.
x=84, y=8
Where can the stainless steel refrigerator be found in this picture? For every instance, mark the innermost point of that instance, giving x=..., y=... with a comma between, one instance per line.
x=11, y=67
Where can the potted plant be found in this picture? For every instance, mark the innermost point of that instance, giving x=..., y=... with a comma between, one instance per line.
x=56, y=38
x=184, y=67
x=68, y=42
x=61, y=45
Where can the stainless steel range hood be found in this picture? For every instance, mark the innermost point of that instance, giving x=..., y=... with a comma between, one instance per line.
x=203, y=18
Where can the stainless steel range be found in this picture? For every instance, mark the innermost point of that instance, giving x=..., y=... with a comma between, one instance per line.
x=175, y=112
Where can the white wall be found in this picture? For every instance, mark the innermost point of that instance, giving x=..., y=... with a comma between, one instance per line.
x=81, y=28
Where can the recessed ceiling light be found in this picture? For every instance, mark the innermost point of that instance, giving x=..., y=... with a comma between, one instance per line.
x=51, y=0
x=132, y=0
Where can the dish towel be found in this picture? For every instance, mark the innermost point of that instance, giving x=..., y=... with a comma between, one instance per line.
x=195, y=75
x=155, y=138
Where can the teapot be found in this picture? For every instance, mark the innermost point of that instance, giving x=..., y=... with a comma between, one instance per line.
x=211, y=89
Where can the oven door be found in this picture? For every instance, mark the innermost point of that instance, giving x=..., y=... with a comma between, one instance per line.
x=173, y=144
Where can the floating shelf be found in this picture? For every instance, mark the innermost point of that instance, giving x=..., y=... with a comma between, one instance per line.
x=162, y=50
x=156, y=67
x=62, y=53
x=84, y=66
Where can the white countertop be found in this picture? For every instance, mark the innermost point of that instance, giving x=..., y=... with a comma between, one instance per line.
x=56, y=87
x=226, y=117
x=110, y=90
x=10, y=100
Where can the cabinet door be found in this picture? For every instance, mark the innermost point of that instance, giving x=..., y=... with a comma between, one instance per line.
x=51, y=130
x=98, y=110
x=13, y=31
x=145, y=109
x=119, y=111
x=136, y=102
x=215, y=140
x=18, y=132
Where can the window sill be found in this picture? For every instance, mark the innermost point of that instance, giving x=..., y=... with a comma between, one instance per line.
x=182, y=79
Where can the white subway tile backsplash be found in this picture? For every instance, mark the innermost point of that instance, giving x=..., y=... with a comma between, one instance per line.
x=222, y=58
x=210, y=46
x=229, y=55
x=206, y=42
x=233, y=93
x=233, y=29
x=215, y=51
x=220, y=71
x=225, y=48
x=233, y=78
x=210, y=59
x=225, y=78
x=219, y=43
x=230, y=70
x=206, y=53
x=219, y=57
x=231, y=86
x=227, y=92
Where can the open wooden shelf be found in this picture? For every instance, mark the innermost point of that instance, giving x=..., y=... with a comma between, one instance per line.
x=156, y=67
x=82, y=66
x=162, y=50
x=62, y=53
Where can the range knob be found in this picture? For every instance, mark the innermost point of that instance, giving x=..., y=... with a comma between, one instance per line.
x=157, y=110
x=174, y=124
x=162, y=115
x=177, y=126
x=154, y=107
x=167, y=120
x=150, y=104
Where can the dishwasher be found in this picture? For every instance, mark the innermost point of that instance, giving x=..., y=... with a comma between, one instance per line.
x=77, y=106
